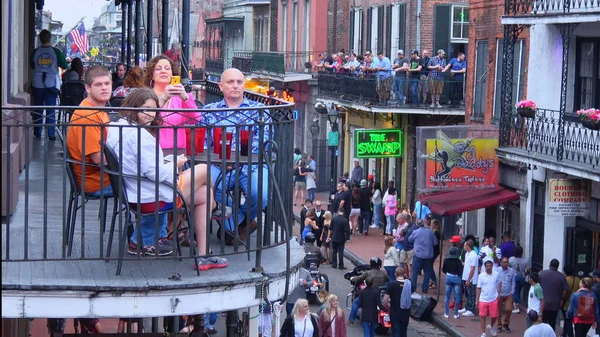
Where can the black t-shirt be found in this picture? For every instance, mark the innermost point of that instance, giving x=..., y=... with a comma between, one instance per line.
x=414, y=64
x=394, y=290
x=347, y=197
x=425, y=70
x=365, y=199
x=329, y=60
x=299, y=178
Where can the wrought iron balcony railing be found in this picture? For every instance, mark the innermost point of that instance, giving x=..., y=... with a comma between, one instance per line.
x=545, y=7
x=242, y=61
x=544, y=135
x=362, y=89
x=215, y=66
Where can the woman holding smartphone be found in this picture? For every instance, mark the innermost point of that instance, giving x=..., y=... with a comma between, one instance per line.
x=162, y=76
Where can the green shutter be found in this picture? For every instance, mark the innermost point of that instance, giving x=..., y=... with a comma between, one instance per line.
x=380, y=35
x=388, y=30
x=441, y=29
x=369, y=27
x=402, y=30
x=351, y=42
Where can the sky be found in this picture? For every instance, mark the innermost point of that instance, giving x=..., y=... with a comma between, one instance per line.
x=71, y=11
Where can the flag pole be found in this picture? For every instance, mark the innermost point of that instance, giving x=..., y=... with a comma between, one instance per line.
x=69, y=32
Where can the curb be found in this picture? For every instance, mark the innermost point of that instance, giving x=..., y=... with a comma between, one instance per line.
x=435, y=318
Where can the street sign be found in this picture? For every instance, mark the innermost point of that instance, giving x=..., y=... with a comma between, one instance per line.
x=384, y=143
x=333, y=138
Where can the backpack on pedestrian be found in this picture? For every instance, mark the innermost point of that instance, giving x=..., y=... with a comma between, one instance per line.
x=585, y=309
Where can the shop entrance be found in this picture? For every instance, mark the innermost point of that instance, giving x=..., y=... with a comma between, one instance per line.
x=583, y=246
x=537, y=252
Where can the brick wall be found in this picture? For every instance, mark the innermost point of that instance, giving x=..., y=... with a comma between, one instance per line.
x=485, y=25
x=338, y=11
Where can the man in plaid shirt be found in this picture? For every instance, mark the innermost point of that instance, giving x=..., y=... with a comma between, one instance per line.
x=436, y=67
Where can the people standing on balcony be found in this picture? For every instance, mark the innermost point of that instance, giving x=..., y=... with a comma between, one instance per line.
x=458, y=68
x=383, y=73
x=45, y=84
x=232, y=86
x=424, y=78
x=142, y=158
x=436, y=65
x=353, y=65
x=416, y=66
x=159, y=72
x=400, y=67
x=118, y=76
x=85, y=146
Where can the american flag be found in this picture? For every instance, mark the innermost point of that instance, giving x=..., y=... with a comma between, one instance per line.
x=79, y=38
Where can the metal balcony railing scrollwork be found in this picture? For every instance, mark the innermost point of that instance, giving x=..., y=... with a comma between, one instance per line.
x=541, y=135
x=545, y=7
x=242, y=61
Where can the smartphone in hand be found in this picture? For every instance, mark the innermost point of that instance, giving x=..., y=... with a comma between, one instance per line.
x=175, y=79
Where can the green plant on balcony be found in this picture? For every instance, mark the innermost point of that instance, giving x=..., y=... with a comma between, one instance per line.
x=526, y=108
x=590, y=118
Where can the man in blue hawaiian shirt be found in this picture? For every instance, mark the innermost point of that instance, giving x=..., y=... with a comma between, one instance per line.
x=232, y=86
x=383, y=72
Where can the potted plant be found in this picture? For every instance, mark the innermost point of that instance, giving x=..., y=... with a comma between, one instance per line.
x=590, y=118
x=526, y=108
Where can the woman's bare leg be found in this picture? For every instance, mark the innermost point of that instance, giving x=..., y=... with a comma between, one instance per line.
x=199, y=185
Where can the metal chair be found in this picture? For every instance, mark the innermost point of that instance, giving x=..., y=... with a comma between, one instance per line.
x=116, y=177
x=75, y=196
x=71, y=94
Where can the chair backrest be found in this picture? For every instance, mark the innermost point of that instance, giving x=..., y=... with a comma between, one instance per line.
x=72, y=93
x=75, y=187
x=116, y=101
x=113, y=169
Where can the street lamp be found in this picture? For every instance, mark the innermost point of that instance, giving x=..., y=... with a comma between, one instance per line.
x=332, y=142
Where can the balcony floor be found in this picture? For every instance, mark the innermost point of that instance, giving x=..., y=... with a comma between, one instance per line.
x=90, y=288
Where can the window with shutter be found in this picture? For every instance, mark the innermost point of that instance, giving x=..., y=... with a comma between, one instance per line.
x=388, y=30
x=587, y=74
x=441, y=33
x=460, y=24
x=352, y=45
x=518, y=75
x=369, y=28
x=380, y=26
x=481, y=74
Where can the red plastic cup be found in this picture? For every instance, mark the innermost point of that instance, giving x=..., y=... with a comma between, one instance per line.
x=245, y=143
x=219, y=143
x=199, y=137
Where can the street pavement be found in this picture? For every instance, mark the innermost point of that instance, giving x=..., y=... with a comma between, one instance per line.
x=361, y=248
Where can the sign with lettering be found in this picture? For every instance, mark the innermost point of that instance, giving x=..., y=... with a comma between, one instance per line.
x=384, y=143
x=460, y=163
x=569, y=197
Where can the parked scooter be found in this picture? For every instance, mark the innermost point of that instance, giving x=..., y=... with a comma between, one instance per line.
x=320, y=280
x=383, y=317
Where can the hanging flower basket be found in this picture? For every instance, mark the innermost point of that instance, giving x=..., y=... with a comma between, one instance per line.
x=526, y=108
x=590, y=118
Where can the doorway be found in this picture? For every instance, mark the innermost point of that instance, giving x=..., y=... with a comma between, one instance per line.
x=539, y=212
x=580, y=250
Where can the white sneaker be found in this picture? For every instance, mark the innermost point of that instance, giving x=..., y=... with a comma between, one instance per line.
x=373, y=226
x=439, y=105
x=492, y=330
x=468, y=313
x=462, y=311
x=456, y=316
x=516, y=310
x=432, y=105
x=483, y=335
x=445, y=316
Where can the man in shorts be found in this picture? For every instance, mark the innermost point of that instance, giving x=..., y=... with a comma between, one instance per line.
x=488, y=290
x=408, y=252
x=436, y=66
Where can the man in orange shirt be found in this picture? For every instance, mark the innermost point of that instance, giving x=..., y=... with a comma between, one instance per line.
x=83, y=142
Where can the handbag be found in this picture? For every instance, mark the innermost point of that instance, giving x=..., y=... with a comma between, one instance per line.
x=330, y=322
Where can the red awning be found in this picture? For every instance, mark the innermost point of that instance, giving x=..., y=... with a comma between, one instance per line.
x=456, y=202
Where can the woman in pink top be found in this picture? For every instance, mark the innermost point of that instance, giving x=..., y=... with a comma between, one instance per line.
x=391, y=208
x=159, y=71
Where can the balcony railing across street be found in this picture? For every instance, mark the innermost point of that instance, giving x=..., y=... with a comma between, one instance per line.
x=276, y=64
x=541, y=7
x=542, y=134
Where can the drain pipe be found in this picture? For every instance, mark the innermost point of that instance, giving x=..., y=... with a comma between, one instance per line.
x=418, y=46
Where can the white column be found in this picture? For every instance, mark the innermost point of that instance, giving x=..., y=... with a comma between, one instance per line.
x=253, y=322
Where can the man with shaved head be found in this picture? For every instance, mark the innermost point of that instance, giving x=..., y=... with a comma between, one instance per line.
x=232, y=86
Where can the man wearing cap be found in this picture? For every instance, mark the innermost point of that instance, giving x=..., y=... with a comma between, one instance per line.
x=424, y=80
x=436, y=65
x=383, y=68
x=458, y=67
x=371, y=181
x=365, y=207
x=596, y=290
x=416, y=66
x=400, y=67
x=455, y=241
x=357, y=172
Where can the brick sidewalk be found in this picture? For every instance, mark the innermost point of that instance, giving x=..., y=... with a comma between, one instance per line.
x=363, y=248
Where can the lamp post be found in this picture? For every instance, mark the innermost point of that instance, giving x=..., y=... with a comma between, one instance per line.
x=332, y=142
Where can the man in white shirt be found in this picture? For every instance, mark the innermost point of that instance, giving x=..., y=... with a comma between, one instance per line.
x=538, y=329
x=470, y=278
x=490, y=252
x=488, y=290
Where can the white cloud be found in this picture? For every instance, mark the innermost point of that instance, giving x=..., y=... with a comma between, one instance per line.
x=69, y=12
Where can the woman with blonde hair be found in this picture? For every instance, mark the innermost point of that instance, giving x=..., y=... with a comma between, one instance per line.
x=391, y=259
x=332, y=319
x=301, y=323
x=326, y=237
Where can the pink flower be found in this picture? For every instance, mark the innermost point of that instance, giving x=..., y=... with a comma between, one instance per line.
x=589, y=114
x=526, y=104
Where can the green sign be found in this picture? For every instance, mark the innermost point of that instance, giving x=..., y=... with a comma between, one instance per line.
x=333, y=138
x=378, y=143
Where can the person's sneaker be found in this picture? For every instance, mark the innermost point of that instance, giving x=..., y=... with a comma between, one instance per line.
x=483, y=335
x=456, y=316
x=446, y=316
x=210, y=263
x=499, y=329
x=516, y=310
x=432, y=105
x=373, y=226
x=491, y=330
x=211, y=331
x=468, y=313
x=462, y=311
x=166, y=242
x=507, y=329
x=439, y=105
x=221, y=211
x=160, y=250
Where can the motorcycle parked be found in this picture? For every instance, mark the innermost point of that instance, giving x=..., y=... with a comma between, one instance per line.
x=320, y=280
x=383, y=317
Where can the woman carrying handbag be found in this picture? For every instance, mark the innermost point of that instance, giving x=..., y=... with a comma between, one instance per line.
x=332, y=319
